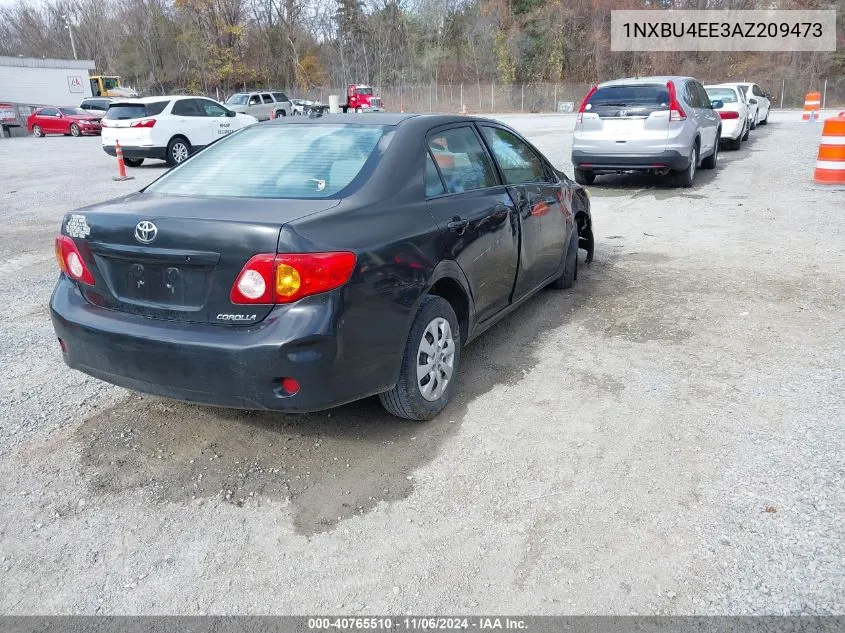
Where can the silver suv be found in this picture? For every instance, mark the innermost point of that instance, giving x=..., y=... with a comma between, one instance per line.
x=659, y=125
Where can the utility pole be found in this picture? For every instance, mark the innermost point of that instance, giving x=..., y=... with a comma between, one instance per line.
x=69, y=28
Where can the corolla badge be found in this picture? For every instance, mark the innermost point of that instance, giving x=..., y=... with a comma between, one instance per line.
x=145, y=231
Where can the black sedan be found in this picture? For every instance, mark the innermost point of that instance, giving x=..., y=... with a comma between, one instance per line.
x=304, y=263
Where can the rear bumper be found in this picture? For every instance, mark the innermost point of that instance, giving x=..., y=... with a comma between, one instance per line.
x=137, y=152
x=732, y=129
x=230, y=366
x=629, y=162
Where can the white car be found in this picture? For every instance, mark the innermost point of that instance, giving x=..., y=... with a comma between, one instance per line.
x=759, y=103
x=736, y=121
x=167, y=128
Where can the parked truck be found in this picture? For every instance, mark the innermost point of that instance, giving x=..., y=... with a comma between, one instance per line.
x=362, y=98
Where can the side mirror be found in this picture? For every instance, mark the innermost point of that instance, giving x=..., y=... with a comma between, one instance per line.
x=715, y=104
x=752, y=101
x=231, y=113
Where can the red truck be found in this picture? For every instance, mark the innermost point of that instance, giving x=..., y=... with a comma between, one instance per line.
x=361, y=98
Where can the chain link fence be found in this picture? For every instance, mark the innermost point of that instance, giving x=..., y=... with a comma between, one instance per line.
x=486, y=98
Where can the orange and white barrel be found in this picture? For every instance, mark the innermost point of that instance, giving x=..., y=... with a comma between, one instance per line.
x=812, y=105
x=830, y=166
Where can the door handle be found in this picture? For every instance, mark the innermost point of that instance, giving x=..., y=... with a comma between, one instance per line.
x=458, y=224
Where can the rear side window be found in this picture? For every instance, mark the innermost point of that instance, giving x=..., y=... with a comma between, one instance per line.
x=48, y=112
x=519, y=164
x=703, y=98
x=267, y=98
x=461, y=159
x=433, y=184
x=280, y=96
x=297, y=161
x=123, y=111
x=187, y=107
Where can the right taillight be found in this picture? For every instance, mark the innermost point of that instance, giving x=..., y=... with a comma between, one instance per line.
x=676, y=112
x=70, y=260
x=143, y=123
x=583, y=107
x=287, y=277
x=728, y=114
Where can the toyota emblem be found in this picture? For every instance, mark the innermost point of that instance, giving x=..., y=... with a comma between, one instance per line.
x=145, y=232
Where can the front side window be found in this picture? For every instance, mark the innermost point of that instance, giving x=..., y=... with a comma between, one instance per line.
x=212, y=109
x=433, y=184
x=109, y=83
x=238, y=99
x=519, y=164
x=461, y=159
x=254, y=100
x=298, y=161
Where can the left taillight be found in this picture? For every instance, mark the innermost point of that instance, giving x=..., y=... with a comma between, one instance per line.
x=70, y=260
x=727, y=114
x=143, y=123
x=270, y=278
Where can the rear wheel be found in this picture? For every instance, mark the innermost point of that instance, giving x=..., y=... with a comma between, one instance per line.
x=37, y=131
x=133, y=162
x=280, y=113
x=686, y=177
x=359, y=110
x=746, y=132
x=766, y=120
x=178, y=151
x=735, y=143
x=754, y=122
x=585, y=176
x=429, y=365
x=570, y=269
x=710, y=161
x=74, y=129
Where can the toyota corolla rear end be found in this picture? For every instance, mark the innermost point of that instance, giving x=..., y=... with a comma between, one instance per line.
x=200, y=297
x=635, y=125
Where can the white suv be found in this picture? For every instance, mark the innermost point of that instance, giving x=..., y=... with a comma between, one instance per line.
x=167, y=128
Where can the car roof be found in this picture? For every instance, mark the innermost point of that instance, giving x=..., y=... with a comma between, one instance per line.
x=140, y=100
x=729, y=86
x=379, y=118
x=662, y=79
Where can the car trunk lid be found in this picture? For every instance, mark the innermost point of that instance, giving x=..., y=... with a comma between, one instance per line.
x=626, y=119
x=177, y=258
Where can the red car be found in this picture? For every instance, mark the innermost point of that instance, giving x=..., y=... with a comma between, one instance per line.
x=67, y=121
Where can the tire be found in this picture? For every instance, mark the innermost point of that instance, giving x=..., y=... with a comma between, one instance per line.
x=280, y=113
x=570, y=268
x=178, y=150
x=710, y=161
x=746, y=133
x=585, y=176
x=133, y=162
x=406, y=399
x=766, y=120
x=359, y=110
x=754, y=123
x=736, y=143
x=74, y=130
x=686, y=177
x=37, y=131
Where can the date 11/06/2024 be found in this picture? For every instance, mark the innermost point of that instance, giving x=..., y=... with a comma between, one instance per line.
x=416, y=624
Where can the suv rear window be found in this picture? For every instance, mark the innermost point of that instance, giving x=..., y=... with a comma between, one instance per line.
x=647, y=98
x=123, y=111
x=297, y=161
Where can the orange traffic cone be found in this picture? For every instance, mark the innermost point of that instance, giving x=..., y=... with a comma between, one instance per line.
x=812, y=105
x=830, y=166
x=121, y=166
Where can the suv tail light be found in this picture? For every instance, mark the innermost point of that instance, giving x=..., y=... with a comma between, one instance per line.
x=288, y=277
x=727, y=114
x=143, y=123
x=583, y=107
x=70, y=260
x=676, y=112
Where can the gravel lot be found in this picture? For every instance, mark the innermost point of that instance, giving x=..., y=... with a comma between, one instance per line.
x=666, y=438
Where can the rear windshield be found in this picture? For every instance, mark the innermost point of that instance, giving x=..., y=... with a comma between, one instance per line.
x=123, y=111
x=289, y=161
x=237, y=99
x=651, y=96
x=727, y=95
